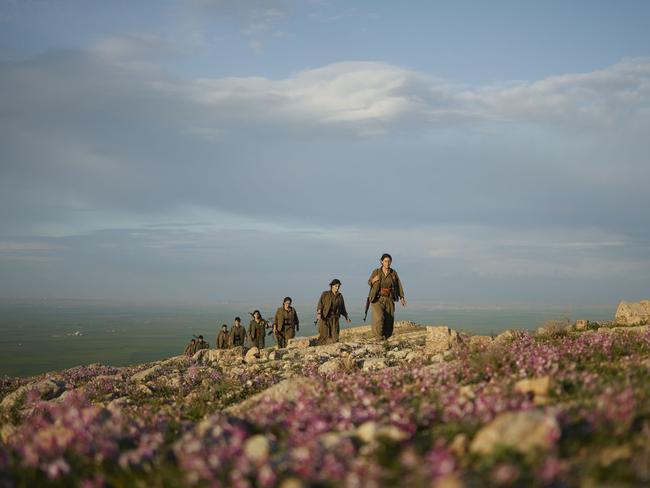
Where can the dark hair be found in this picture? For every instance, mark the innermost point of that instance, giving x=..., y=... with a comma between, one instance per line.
x=256, y=312
x=200, y=337
x=386, y=255
x=237, y=319
x=224, y=325
x=335, y=281
x=287, y=299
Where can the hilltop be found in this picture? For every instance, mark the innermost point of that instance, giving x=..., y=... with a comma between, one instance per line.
x=566, y=406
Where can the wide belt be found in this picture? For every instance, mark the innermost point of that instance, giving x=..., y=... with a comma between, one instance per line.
x=385, y=292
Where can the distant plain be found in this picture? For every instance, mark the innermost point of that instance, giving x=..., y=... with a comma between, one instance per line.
x=40, y=337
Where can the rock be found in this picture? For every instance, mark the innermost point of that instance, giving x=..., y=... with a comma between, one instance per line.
x=524, y=432
x=349, y=363
x=538, y=387
x=480, y=341
x=157, y=368
x=301, y=342
x=611, y=455
x=441, y=339
x=373, y=364
x=47, y=389
x=355, y=332
x=399, y=354
x=6, y=431
x=467, y=391
x=257, y=448
x=287, y=390
x=118, y=403
x=292, y=483
x=369, y=432
x=332, y=366
x=508, y=336
x=582, y=324
x=330, y=439
x=144, y=389
x=252, y=355
x=412, y=356
x=448, y=481
x=338, y=348
x=277, y=354
x=633, y=313
x=459, y=445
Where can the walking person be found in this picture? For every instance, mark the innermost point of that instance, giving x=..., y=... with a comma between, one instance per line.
x=237, y=334
x=286, y=323
x=385, y=289
x=257, y=330
x=223, y=338
x=328, y=311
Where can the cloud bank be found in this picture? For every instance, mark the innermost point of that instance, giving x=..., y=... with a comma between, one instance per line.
x=106, y=151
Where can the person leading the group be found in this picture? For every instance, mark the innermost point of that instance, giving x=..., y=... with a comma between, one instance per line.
x=329, y=309
x=385, y=289
x=286, y=322
x=257, y=329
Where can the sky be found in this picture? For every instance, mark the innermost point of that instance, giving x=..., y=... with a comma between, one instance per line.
x=208, y=151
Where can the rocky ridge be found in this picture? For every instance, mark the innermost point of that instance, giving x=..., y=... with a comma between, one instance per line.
x=494, y=398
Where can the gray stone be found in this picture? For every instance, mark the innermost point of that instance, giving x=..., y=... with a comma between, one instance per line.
x=369, y=432
x=332, y=366
x=582, y=324
x=480, y=341
x=633, y=313
x=277, y=354
x=287, y=390
x=373, y=364
x=300, y=342
x=47, y=389
x=252, y=355
x=257, y=448
x=524, y=432
x=441, y=339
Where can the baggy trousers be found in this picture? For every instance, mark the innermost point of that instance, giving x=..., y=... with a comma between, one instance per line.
x=383, y=317
x=328, y=330
x=284, y=335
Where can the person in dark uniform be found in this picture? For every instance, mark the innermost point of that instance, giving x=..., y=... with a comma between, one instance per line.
x=223, y=341
x=286, y=322
x=202, y=344
x=190, y=349
x=237, y=334
x=257, y=330
x=328, y=310
x=385, y=289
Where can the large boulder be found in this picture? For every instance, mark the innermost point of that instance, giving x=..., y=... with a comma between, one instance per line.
x=441, y=339
x=47, y=389
x=287, y=390
x=374, y=364
x=633, y=313
x=252, y=355
x=525, y=432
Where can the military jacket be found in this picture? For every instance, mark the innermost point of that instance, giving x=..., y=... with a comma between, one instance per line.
x=223, y=339
x=391, y=280
x=331, y=305
x=237, y=336
x=256, y=329
x=286, y=318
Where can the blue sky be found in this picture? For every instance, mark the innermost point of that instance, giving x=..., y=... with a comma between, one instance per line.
x=209, y=150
